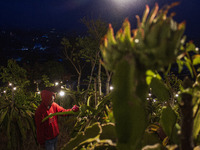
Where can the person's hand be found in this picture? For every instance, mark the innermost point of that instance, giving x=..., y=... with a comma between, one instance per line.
x=75, y=108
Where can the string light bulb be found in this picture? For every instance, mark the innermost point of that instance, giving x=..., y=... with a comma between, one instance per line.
x=111, y=88
x=61, y=93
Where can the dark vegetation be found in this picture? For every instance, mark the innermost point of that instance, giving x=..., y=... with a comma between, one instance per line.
x=152, y=106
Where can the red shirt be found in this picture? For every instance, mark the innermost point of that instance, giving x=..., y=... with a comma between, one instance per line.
x=48, y=129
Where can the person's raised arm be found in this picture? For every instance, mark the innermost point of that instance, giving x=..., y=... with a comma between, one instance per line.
x=75, y=108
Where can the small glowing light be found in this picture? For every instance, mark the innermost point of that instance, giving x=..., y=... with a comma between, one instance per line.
x=150, y=94
x=137, y=40
x=197, y=49
x=176, y=95
x=111, y=87
x=62, y=93
x=154, y=100
x=14, y=88
x=10, y=84
x=62, y=87
x=56, y=83
x=4, y=91
x=147, y=98
x=182, y=41
x=61, y=82
x=38, y=92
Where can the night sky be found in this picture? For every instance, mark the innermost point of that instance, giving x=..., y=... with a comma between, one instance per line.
x=66, y=14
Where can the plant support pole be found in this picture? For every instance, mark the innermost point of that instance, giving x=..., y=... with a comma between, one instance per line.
x=187, y=119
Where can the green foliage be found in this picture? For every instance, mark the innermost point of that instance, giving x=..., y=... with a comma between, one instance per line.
x=153, y=147
x=59, y=113
x=196, y=125
x=94, y=137
x=159, y=89
x=16, y=106
x=14, y=74
x=123, y=119
x=196, y=60
x=91, y=133
x=157, y=36
x=46, y=81
x=150, y=75
x=75, y=55
x=190, y=58
x=154, y=108
x=90, y=46
x=73, y=50
x=108, y=132
x=128, y=109
x=168, y=120
x=16, y=120
x=153, y=46
x=185, y=58
x=196, y=103
x=89, y=49
x=90, y=114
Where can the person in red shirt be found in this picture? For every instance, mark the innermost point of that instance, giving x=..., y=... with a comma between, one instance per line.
x=48, y=130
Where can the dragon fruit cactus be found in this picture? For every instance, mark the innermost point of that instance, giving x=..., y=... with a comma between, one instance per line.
x=129, y=54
